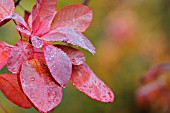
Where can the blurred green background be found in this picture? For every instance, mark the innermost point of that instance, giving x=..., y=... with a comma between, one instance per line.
x=130, y=37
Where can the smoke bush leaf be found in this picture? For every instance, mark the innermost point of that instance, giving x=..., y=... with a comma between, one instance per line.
x=58, y=63
x=20, y=53
x=71, y=36
x=78, y=17
x=5, y=51
x=76, y=56
x=38, y=85
x=86, y=81
x=10, y=87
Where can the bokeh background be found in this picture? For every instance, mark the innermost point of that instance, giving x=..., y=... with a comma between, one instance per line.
x=130, y=37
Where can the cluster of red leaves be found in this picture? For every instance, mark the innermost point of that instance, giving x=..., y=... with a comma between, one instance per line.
x=154, y=92
x=40, y=70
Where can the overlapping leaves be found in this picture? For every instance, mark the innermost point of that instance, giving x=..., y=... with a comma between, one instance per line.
x=44, y=69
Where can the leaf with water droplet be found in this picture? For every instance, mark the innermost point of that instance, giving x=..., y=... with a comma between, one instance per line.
x=5, y=51
x=43, y=13
x=76, y=56
x=58, y=63
x=6, y=9
x=10, y=87
x=71, y=36
x=39, y=55
x=38, y=85
x=87, y=82
x=77, y=16
x=24, y=32
x=20, y=53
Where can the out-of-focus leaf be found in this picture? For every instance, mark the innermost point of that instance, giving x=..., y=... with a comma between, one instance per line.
x=155, y=72
x=150, y=92
x=20, y=53
x=58, y=63
x=76, y=56
x=87, y=82
x=10, y=87
x=5, y=51
x=43, y=13
x=78, y=17
x=69, y=35
x=38, y=85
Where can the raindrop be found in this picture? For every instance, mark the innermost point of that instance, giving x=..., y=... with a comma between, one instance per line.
x=32, y=78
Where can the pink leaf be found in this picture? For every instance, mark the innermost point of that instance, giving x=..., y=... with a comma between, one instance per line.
x=26, y=16
x=39, y=55
x=76, y=56
x=86, y=81
x=16, y=17
x=5, y=51
x=20, y=53
x=43, y=13
x=38, y=85
x=37, y=42
x=6, y=8
x=78, y=17
x=11, y=89
x=149, y=93
x=24, y=32
x=58, y=63
x=71, y=36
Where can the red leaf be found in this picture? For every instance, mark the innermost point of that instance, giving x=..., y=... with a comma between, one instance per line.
x=39, y=87
x=20, y=53
x=58, y=63
x=76, y=56
x=16, y=18
x=71, y=36
x=37, y=42
x=25, y=32
x=11, y=89
x=5, y=51
x=78, y=17
x=6, y=8
x=39, y=55
x=155, y=72
x=19, y=19
x=26, y=16
x=150, y=93
x=86, y=81
x=43, y=13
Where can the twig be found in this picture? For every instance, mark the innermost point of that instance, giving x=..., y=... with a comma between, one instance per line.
x=85, y=2
x=17, y=2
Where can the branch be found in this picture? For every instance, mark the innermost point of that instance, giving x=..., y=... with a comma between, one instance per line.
x=17, y=2
x=85, y=2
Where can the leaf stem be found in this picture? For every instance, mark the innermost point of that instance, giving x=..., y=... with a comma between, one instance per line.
x=85, y=2
x=17, y=2
x=18, y=31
